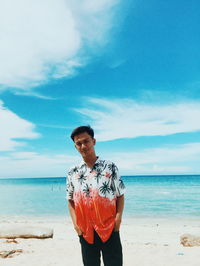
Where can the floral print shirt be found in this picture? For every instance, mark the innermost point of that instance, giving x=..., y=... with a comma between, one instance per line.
x=94, y=192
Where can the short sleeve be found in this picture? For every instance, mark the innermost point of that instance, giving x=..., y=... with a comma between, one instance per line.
x=117, y=181
x=70, y=187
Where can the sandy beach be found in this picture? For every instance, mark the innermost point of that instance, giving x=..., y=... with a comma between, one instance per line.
x=146, y=242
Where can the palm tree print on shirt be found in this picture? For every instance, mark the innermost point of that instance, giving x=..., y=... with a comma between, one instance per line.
x=83, y=168
x=86, y=190
x=112, y=187
x=100, y=164
x=98, y=174
x=105, y=188
x=73, y=171
x=99, y=168
x=113, y=168
x=81, y=178
x=69, y=191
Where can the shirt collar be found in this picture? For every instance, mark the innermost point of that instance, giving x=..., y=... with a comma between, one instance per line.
x=83, y=163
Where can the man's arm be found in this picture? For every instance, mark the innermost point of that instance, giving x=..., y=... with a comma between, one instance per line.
x=73, y=216
x=120, y=207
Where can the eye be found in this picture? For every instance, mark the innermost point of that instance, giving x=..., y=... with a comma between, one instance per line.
x=78, y=144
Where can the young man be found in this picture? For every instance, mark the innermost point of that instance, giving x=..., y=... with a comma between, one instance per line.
x=95, y=194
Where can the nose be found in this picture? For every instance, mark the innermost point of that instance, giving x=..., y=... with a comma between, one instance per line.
x=83, y=146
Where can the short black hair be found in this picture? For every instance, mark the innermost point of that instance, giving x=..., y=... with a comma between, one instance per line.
x=82, y=129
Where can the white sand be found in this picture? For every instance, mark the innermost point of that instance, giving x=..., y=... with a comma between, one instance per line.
x=145, y=243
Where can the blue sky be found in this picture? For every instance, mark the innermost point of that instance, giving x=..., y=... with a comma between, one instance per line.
x=128, y=68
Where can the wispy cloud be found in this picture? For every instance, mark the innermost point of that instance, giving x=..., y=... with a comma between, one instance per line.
x=33, y=93
x=121, y=118
x=54, y=126
x=180, y=159
x=14, y=128
x=41, y=40
x=31, y=164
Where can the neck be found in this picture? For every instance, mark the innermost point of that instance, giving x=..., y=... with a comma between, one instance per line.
x=90, y=161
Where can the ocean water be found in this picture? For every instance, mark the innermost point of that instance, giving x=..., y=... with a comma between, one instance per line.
x=146, y=196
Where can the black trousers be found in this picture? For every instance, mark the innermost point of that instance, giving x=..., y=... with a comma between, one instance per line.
x=111, y=251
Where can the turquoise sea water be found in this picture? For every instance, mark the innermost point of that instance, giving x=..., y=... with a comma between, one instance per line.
x=146, y=196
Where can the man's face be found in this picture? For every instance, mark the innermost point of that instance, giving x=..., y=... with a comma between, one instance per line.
x=84, y=143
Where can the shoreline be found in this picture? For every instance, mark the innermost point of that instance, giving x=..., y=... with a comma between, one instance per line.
x=126, y=218
x=146, y=242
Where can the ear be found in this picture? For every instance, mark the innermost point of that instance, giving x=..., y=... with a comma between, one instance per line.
x=94, y=141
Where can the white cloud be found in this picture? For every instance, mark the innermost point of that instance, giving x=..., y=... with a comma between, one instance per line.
x=180, y=159
x=30, y=164
x=115, y=119
x=13, y=128
x=49, y=38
